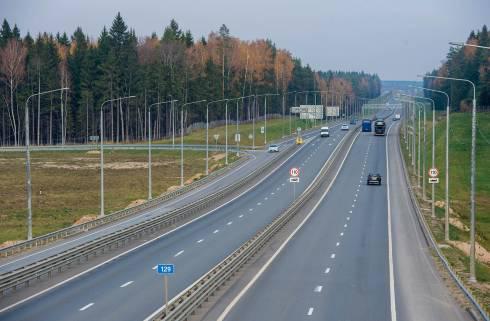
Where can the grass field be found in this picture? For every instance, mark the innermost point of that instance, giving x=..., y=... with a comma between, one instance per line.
x=65, y=184
x=276, y=129
x=459, y=190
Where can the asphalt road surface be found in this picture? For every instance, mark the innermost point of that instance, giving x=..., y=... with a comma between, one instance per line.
x=128, y=287
x=337, y=266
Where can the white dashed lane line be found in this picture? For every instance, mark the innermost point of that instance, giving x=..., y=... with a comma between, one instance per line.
x=240, y=216
x=259, y=203
x=338, y=243
x=310, y=311
x=179, y=253
x=126, y=284
x=229, y=223
x=87, y=306
x=327, y=270
x=200, y=241
x=345, y=225
x=342, y=234
x=332, y=256
x=215, y=231
x=318, y=288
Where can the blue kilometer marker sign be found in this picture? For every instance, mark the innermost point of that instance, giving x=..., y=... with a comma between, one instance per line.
x=165, y=269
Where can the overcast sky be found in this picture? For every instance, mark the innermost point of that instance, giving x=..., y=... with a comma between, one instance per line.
x=395, y=39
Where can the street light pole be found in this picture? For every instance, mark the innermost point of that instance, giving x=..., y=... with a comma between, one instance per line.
x=433, y=209
x=102, y=150
x=473, y=174
x=207, y=132
x=446, y=216
x=182, y=138
x=265, y=113
x=149, y=143
x=28, y=160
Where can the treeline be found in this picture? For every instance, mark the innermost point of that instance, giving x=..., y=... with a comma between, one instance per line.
x=155, y=68
x=469, y=63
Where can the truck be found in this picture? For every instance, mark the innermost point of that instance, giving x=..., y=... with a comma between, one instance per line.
x=396, y=117
x=366, y=125
x=324, y=132
x=379, y=127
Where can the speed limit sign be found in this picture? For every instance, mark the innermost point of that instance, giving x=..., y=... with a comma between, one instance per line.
x=294, y=172
x=433, y=172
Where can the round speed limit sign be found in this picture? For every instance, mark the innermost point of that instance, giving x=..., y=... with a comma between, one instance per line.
x=433, y=172
x=294, y=172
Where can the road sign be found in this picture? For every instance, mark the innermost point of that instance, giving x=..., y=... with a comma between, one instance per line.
x=294, y=172
x=165, y=269
x=92, y=138
x=433, y=172
x=298, y=129
x=311, y=112
x=237, y=137
x=433, y=180
x=333, y=111
x=262, y=129
x=294, y=179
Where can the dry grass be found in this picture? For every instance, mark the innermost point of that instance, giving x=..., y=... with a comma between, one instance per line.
x=66, y=185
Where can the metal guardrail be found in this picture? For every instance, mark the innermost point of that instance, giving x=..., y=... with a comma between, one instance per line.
x=430, y=237
x=184, y=305
x=84, y=227
x=45, y=267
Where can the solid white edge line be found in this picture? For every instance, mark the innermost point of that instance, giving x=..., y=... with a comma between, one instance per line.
x=126, y=284
x=283, y=245
x=152, y=240
x=130, y=219
x=390, y=242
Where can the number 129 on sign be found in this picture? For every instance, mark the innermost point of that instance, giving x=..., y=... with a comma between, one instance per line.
x=165, y=269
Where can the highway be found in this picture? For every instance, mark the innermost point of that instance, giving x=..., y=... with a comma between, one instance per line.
x=194, y=248
x=338, y=266
x=257, y=159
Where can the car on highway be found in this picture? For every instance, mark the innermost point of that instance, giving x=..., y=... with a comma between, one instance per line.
x=273, y=148
x=353, y=121
x=299, y=140
x=373, y=179
x=344, y=127
x=324, y=132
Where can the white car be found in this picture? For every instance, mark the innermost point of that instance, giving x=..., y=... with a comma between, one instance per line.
x=324, y=132
x=344, y=127
x=273, y=148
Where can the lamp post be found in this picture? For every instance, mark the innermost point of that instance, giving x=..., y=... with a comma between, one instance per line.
x=473, y=173
x=28, y=160
x=182, y=138
x=102, y=150
x=433, y=209
x=265, y=114
x=149, y=142
x=237, y=120
x=207, y=131
x=446, y=221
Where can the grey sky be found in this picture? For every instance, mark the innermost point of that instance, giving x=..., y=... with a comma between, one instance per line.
x=396, y=39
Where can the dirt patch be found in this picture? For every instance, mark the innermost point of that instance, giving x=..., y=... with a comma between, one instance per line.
x=456, y=222
x=442, y=204
x=85, y=219
x=482, y=254
x=9, y=243
x=218, y=157
x=193, y=178
x=173, y=188
x=95, y=152
x=135, y=203
x=94, y=165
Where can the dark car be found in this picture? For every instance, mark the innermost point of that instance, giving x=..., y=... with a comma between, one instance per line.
x=374, y=179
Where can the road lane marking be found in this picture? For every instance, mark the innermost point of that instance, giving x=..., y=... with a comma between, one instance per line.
x=240, y=216
x=310, y=311
x=342, y=234
x=338, y=243
x=327, y=270
x=179, y=253
x=348, y=218
x=250, y=209
x=390, y=242
x=266, y=198
x=200, y=241
x=350, y=212
x=155, y=267
x=126, y=284
x=259, y=203
x=215, y=231
x=235, y=300
x=345, y=225
x=229, y=223
x=318, y=288
x=87, y=306
x=332, y=256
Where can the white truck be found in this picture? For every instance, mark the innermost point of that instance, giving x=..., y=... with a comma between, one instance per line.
x=397, y=117
x=324, y=132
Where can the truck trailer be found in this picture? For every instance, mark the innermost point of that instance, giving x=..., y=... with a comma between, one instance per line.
x=366, y=125
x=379, y=127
